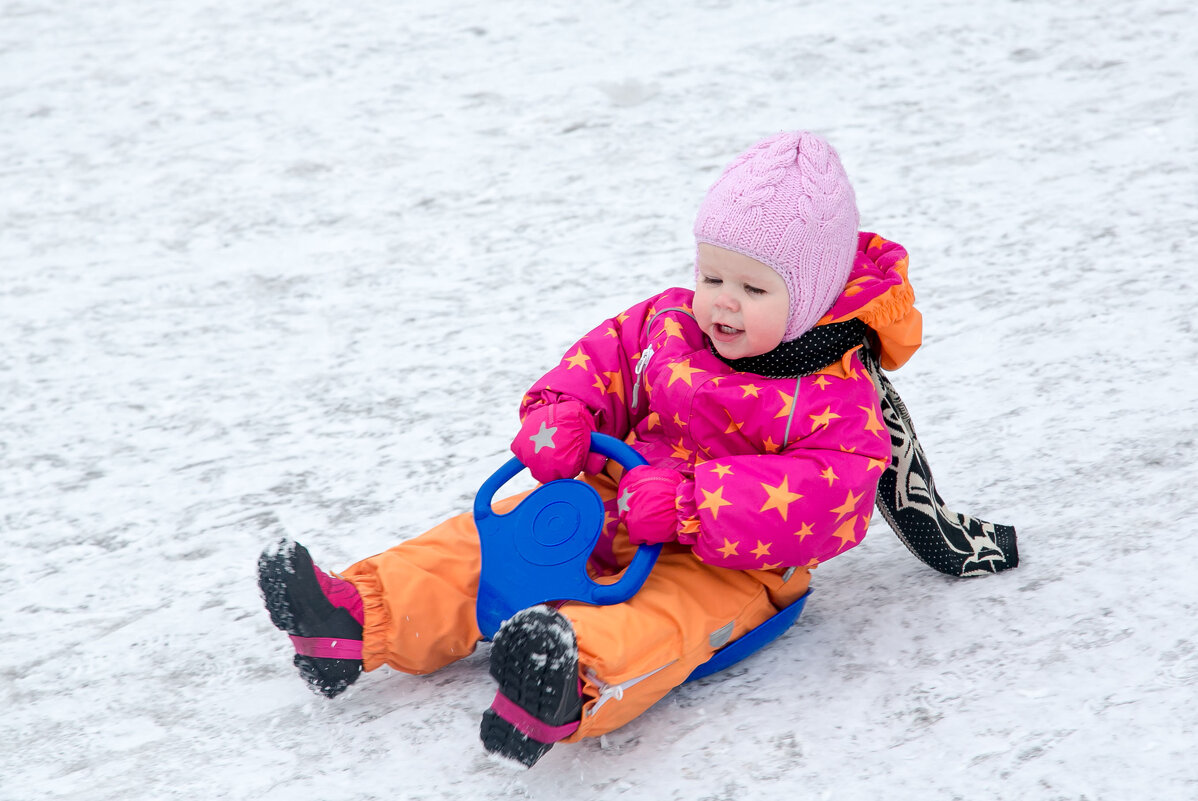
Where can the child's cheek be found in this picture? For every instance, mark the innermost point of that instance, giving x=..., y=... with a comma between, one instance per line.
x=702, y=306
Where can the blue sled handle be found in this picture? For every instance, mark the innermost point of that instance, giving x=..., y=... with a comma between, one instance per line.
x=646, y=555
x=531, y=575
x=521, y=584
x=610, y=447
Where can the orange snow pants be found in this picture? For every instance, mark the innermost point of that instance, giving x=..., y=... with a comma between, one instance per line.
x=419, y=599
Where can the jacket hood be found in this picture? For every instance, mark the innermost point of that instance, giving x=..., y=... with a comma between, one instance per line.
x=879, y=294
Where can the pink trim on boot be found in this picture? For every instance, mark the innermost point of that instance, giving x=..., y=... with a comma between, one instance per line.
x=341, y=593
x=531, y=727
x=327, y=648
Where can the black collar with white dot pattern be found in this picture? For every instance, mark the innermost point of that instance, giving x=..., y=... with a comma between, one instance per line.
x=810, y=353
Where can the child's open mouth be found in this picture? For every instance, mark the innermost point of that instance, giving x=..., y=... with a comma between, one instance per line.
x=725, y=333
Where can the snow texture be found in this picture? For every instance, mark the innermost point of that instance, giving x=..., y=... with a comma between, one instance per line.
x=285, y=268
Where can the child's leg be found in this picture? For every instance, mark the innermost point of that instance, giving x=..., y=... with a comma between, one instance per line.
x=628, y=655
x=632, y=654
x=420, y=596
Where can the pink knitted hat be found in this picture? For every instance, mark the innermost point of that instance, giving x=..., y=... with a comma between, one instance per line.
x=787, y=203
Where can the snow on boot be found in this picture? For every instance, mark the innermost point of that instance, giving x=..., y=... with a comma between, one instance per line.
x=534, y=657
x=322, y=614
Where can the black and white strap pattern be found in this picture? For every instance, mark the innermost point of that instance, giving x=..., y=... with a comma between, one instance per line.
x=953, y=543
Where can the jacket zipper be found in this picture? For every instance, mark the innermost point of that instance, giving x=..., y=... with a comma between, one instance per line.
x=641, y=364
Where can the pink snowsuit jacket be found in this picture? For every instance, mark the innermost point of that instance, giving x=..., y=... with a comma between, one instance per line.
x=781, y=472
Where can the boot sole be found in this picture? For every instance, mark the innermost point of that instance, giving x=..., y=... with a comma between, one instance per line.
x=273, y=566
x=536, y=667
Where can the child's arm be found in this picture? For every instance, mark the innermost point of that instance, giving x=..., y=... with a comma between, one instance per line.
x=799, y=507
x=600, y=370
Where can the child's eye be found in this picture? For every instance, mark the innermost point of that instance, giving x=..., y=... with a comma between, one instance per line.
x=711, y=281
x=752, y=290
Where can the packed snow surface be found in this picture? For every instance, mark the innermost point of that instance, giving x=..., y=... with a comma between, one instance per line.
x=285, y=268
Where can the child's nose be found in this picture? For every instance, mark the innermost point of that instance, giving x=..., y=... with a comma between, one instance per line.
x=726, y=300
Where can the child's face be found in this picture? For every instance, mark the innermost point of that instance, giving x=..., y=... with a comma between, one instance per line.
x=742, y=304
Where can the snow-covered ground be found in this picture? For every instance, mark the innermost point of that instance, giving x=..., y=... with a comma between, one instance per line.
x=286, y=267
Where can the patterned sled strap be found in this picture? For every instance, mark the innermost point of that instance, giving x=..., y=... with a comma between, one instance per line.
x=948, y=541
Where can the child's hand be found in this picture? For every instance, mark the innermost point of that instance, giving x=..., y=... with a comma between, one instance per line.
x=555, y=441
x=646, y=499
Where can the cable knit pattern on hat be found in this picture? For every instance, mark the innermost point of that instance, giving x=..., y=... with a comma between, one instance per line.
x=787, y=203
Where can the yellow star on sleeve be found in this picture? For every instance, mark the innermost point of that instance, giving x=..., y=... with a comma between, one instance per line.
x=654, y=419
x=829, y=475
x=762, y=550
x=722, y=470
x=733, y=425
x=750, y=390
x=680, y=449
x=682, y=370
x=821, y=382
x=845, y=533
x=880, y=464
x=849, y=505
x=611, y=332
x=780, y=497
x=821, y=420
x=714, y=501
x=615, y=384
x=873, y=426
x=673, y=328
x=773, y=566
x=729, y=549
x=804, y=532
x=769, y=445
x=579, y=359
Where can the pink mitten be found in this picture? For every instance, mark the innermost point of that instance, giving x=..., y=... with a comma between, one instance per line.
x=555, y=441
x=646, y=501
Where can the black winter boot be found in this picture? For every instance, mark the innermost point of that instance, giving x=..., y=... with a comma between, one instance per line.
x=327, y=638
x=534, y=657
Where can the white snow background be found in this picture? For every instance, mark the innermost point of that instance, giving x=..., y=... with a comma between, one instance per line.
x=278, y=268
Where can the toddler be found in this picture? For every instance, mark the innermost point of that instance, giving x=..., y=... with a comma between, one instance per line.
x=757, y=402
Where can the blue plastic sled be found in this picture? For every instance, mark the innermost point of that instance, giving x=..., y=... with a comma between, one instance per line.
x=538, y=553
